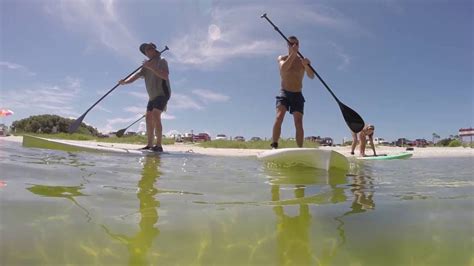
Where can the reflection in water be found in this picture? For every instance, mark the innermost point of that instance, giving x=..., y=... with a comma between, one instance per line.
x=139, y=244
x=363, y=191
x=362, y=188
x=67, y=192
x=293, y=231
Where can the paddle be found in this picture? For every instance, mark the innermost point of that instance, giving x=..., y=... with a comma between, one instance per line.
x=121, y=131
x=353, y=119
x=75, y=125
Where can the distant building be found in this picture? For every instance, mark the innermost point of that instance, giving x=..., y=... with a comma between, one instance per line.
x=3, y=130
x=327, y=141
x=313, y=138
x=465, y=135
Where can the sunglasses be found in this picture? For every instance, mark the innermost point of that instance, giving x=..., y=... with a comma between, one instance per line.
x=292, y=43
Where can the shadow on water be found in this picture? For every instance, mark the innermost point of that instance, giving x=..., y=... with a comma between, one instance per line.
x=66, y=192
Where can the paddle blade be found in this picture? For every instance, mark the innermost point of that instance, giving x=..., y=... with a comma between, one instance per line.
x=120, y=132
x=75, y=125
x=353, y=120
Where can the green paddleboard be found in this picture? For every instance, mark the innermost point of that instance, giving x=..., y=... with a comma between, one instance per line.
x=403, y=155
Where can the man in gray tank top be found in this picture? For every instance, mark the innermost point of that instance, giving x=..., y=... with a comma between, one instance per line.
x=155, y=71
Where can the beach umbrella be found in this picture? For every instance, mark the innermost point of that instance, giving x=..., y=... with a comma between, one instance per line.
x=5, y=112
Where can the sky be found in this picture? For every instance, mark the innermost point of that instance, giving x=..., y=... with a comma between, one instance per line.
x=405, y=66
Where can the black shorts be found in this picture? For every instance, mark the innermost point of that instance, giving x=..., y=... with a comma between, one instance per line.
x=293, y=101
x=159, y=103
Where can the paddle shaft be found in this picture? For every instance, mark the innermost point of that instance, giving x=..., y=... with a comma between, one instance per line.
x=314, y=71
x=135, y=122
x=78, y=121
x=90, y=108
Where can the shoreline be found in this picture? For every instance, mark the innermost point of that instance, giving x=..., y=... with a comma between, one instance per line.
x=428, y=152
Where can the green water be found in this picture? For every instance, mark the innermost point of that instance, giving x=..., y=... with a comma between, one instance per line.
x=61, y=208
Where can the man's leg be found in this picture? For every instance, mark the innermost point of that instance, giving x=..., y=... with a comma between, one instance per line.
x=149, y=128
x=354, y=142
x=298, y=117
x=280, y=115
x=157, y=126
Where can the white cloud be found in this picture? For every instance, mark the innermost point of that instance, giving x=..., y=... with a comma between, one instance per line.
x=230, y=34
x=140, y=95
x=142, y=126
x=238, y=31
x=182, y=101
x=166, y=116
x=210, y=96
x=118, y=123
x=140, y=110
x=345, y=58
x=99, y=21
x=56, y=99
x=18, y=67
x=114, y=124
x=101, y=108
x=173, y=132
x=135, y=109
x=179, y=101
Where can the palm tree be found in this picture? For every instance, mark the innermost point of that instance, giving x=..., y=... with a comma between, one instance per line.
x=435, y=136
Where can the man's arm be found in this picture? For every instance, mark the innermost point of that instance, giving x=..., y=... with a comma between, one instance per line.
x=307, y=68
x=286, y=61
x=131, y=79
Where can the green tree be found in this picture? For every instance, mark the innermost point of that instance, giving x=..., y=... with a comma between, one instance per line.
x=435, y=136
x=455, y=143
x=46, y=123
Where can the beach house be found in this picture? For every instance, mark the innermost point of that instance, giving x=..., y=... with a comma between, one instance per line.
x=3, y=130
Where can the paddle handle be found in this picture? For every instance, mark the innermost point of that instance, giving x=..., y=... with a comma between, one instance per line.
x=301, y=55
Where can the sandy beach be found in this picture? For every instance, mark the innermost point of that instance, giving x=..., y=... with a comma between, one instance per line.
x=428, y=152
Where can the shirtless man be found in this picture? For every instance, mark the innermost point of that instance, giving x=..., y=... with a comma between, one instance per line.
x=292, y=70
x=366, y=132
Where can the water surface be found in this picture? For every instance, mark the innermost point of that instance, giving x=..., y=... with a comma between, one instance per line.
x=188, y=209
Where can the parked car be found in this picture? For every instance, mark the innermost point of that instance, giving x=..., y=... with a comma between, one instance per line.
x=221, y=137
x=202, y=137
x=187, y=137
x=177, y=137
x=326, y=142
x=255, y=139
x=239, y=138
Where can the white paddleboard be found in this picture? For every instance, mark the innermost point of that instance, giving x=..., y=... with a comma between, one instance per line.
x=308, y=157
x=71, y=146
